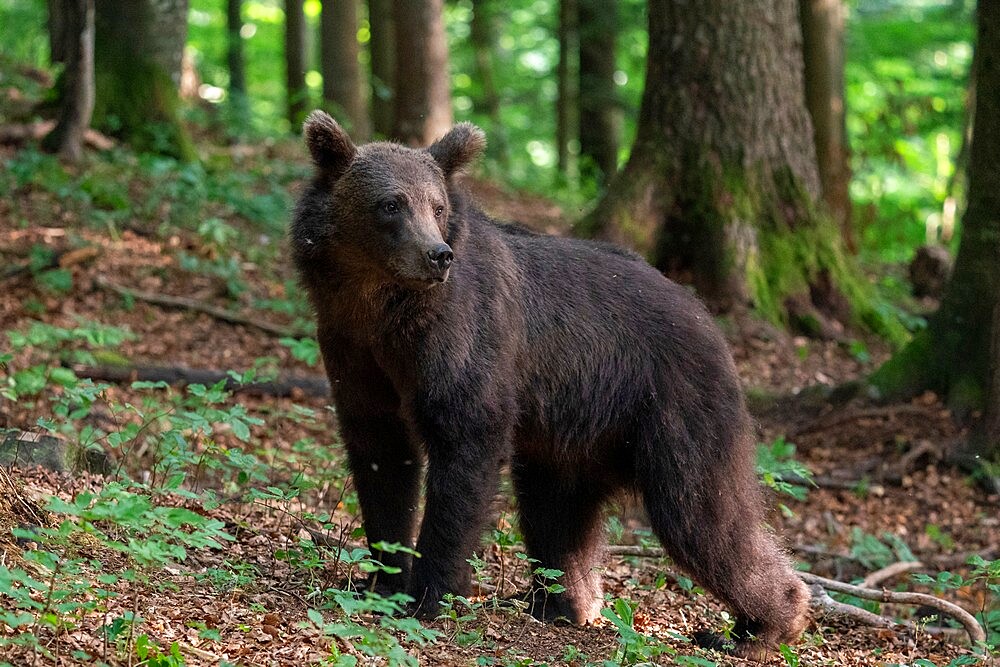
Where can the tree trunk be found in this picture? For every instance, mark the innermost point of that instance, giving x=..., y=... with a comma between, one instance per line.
x=295, y=64
x=58, y=37
x=599, y=110
x=76, y=103
x=341, y=69
x=721, y=187
x=483, y=37
x=138, y=46
x=235, y=61
x=423, y=92
x=567, y=103
x=382, y=48
x=987, y=444
x=822, y=24
x=951, y=356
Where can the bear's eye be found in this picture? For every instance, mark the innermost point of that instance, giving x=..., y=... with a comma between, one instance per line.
x=439, y=211
x=390, y=207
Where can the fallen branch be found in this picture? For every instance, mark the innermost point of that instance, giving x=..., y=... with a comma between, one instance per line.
x=184, y=303
x=310, y=385
x=888, y=572
x=822, y=600
x=968, y=621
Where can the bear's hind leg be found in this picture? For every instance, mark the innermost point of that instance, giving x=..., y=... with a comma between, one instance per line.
x=563, y=528
x=709, y=515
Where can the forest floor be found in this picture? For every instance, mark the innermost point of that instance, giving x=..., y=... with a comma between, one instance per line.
x=883, y=493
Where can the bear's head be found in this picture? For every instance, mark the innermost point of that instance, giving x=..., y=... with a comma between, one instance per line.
x=380, y=208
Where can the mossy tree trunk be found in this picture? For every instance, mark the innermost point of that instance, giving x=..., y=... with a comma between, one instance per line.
x=952, y=355
x=137, y=61
x=721, y=188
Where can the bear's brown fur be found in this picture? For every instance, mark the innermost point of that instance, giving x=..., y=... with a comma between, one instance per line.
x=577, y=362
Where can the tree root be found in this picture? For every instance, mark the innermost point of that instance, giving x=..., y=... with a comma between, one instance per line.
x=201, y=307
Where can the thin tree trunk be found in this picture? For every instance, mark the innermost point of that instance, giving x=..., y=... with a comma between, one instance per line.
x=56, y=24
x=423, y=92
x=483, y=35
x=382, y=48
x=138, y=46
x=721, y=185
x=341, y=68
x=76, y=104
x=235, y=61
x=295, y=64
x=822, y=24
x=568, y=100
x=599, y=109
x=952, y=355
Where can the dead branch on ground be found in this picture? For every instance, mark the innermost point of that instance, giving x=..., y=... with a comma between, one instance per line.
x=968, y=621
x=282, y=386
x=184, y=303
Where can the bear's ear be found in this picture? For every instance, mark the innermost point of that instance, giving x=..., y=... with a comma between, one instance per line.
x=458, y=148
x=331, y=149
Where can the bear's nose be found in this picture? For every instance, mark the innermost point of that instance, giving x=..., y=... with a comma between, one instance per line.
x=441, y=256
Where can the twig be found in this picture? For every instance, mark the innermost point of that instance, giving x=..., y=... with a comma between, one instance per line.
x=968, y=621
x=201, y=307
x=310, y=385
x=888, y=572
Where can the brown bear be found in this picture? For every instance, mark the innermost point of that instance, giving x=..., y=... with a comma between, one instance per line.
x=459, y=344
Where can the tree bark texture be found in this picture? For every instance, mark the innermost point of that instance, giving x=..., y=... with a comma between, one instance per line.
x=138, y=46
x=423, y=91
x=382, y=48
x=567, y=103
x=76, y=103
x=822, y=23
x=600, y=124
x=721, y=185
x=341, y=68
x=952, y=355
x=295, y=64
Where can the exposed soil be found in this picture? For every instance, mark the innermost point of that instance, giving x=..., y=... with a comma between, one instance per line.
x=858, y=453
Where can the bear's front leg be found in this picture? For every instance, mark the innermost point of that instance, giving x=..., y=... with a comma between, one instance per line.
x=386, y=470
x=461, y=483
